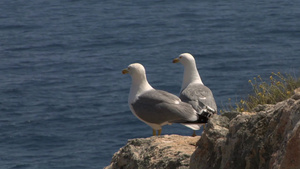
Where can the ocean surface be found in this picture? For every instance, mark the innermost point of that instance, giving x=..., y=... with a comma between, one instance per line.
x=63, y=99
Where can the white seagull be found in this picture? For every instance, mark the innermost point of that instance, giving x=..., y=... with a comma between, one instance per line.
x=193, y=91
x=157, y=108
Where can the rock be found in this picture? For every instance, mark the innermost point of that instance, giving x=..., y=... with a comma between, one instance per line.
x=296, y=96
x=268, y=138
x=230, y=115
x=214, y=137
x=167, y=151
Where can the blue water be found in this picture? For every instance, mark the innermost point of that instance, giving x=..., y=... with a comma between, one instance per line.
x=63, y=99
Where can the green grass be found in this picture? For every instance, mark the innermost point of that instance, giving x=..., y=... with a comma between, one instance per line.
x=277, y=88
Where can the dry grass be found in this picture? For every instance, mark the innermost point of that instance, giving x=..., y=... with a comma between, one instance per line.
x=278, y=88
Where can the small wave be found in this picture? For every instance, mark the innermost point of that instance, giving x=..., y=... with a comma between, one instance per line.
x=18, y=27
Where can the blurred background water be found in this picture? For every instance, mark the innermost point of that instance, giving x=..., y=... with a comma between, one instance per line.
x=63, y=99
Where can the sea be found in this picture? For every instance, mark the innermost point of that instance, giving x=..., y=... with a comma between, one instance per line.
x=63, y=98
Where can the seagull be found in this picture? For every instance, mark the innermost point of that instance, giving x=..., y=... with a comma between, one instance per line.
x=157, y=108
x=193, y=91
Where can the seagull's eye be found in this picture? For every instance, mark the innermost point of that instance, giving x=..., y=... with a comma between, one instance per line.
x=180, y=57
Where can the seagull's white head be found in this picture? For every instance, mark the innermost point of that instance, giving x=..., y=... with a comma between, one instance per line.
x=135, y=70
x=138, y=75
x=139, y=81
x=185, y=59
x=191, y=74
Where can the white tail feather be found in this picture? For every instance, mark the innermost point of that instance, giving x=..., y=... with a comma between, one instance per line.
x=193, y=126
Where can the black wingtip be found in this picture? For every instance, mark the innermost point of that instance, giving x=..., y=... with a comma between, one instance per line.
x=202, y=119
x=207, y=112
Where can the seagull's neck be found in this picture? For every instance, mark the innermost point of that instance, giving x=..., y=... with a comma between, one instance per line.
x=139, y=86
x=190, y=75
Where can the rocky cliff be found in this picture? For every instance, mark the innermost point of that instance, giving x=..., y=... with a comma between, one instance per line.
x=266, y=138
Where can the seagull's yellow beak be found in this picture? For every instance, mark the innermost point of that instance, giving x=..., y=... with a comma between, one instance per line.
x=176, y=60
x=125, y=71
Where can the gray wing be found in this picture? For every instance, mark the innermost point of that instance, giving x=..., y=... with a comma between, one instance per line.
x=199, y=96
x=157, y=106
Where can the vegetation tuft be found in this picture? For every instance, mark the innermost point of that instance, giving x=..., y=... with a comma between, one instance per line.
x=279, y=88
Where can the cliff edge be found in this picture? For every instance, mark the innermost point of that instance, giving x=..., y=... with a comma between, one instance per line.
x=266, y=138
x=167, y=151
